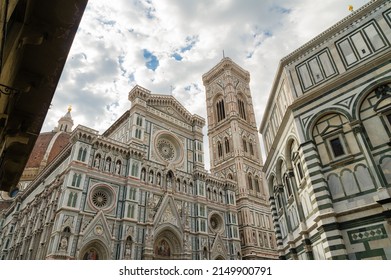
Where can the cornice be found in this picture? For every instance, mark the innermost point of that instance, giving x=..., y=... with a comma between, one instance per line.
x=224, y=64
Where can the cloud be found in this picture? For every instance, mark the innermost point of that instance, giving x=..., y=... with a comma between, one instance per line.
x=166, y=46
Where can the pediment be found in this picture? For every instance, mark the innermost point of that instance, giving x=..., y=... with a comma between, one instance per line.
x=168, y=105
x=97, y=228
x=218, y=248
x=168, y=213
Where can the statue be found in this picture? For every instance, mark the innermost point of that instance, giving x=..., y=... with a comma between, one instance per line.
x=118, y=168
x=64, y=244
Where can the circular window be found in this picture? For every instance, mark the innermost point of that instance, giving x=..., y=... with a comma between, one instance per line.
x=216, y=222
x=168, y=147
x=101, y=197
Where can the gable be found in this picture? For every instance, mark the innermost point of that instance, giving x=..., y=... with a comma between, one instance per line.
x=168, y=105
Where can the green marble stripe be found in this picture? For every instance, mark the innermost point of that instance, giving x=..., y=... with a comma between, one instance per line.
x=335, y=248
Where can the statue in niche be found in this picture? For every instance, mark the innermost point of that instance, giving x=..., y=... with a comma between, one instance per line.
x=91, y=255
x=158, y=178
x=118, y=168
x=107, y=168
x=169, y=181
x=97, y=162
x=163, y=249
x=64, y=244
x=150, y=177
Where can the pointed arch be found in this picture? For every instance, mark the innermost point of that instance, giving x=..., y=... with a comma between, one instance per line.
x=242, y=106
x=226, y=144
x=219, y=149
x=250, y=181
x=219, y=107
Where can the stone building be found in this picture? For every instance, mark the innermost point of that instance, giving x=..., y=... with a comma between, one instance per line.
x=140, y=189
x=235, y=151
x=327, y=136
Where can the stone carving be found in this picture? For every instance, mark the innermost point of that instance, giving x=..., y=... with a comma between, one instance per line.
x=151, y=208
x=64, y=244
x=168, y=217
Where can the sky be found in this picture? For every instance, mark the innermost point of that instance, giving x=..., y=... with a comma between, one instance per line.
x=167, y=45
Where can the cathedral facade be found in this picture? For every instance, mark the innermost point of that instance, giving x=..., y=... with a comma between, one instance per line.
x=140, y=189
x=327, y=138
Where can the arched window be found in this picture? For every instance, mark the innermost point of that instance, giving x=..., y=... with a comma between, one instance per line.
x=244, y=142
x=138, y=133
x=139, y=121
x=76, y=180
x=250, y=145
x=72, y=199
x=134, y=171
x=178, y=185
x=220, y=110
x=219, y=149
x=256, y=183
x=242, y=110
x=69, y=203
x=209, y=193
x=131, y=210
x=328, y=133
x=80, y=154
x=288, y=185
x=250, y=181
x=184, y=187
x=226, y=144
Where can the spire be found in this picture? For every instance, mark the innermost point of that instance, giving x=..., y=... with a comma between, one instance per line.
x=65, y=123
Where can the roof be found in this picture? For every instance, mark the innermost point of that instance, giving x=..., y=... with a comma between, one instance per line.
x=47, y=147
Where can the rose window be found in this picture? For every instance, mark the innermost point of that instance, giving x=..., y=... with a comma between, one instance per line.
x=101, y=197
x=166, y=149
x=216, y=222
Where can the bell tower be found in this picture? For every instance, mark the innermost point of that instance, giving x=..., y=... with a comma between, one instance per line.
x=235, y=153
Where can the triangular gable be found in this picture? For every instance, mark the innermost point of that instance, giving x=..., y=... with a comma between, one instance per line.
x=97, y=229
x=168, y=213
x=168, y=105
x=218, y=248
